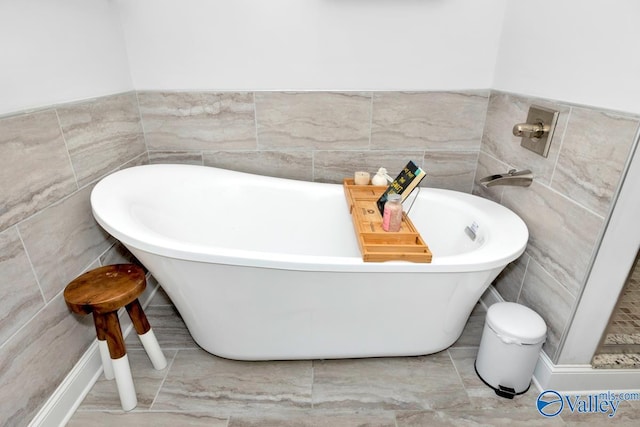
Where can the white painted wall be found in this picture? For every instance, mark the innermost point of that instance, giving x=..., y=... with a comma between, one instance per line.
x=59, y=51
x=312, y=44
x=582, y=51
x=585, y=51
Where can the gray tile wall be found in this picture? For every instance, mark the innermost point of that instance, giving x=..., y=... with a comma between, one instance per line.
x=49, y=161
x=566, y=206
x=320, y=136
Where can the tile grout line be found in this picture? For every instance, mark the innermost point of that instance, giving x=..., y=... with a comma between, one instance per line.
x=33, y=269
x=66, y=146
x=164, y=379
x=313, y=380
x=557, y=160
x=142, y=127
x=46, y=303
x=524, y=275
x=370, y=121
x=457, y=372
x=255, y=121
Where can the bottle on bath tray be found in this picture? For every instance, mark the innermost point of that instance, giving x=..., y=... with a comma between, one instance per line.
x=381, y=177
x=392, y=217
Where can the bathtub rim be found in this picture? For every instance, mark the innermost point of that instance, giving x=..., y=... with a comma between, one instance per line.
x=478, y=259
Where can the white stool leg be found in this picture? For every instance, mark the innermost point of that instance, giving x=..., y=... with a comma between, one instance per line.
x=124, y=382
x=147, y=337
x=151, y=346
x=106, y=359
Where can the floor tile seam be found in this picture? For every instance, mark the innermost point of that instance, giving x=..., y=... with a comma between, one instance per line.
x=212, y=414
x=149, y=411
x=277, y=416
x=457, y=372
x=164, y=379
x=157, y=411
x=313, y=381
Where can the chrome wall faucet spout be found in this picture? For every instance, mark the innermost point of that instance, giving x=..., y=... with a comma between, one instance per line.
x=522, y=178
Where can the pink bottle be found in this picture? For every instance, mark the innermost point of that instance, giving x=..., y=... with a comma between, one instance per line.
x=392, y=216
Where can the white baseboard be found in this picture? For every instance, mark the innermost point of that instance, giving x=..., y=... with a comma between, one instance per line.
x=576, y=379
x=68, y=396
x=63, y=403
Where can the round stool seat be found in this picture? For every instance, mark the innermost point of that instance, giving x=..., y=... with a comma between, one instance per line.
x=102, y=292
x=105, y=289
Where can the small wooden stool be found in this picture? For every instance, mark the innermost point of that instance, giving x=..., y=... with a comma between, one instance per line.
x=102, y=292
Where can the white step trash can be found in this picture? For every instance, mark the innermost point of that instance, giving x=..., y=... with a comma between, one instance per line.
x=511, y=341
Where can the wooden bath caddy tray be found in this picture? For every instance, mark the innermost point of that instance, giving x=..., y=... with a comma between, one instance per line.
x=376, y=244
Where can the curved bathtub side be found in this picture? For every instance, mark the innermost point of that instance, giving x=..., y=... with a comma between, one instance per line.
x=257, y=313
x=258, y=304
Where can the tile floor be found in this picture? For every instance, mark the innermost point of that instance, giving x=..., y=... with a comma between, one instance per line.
x=621, y=345
x=199, y=389
x=624, y=327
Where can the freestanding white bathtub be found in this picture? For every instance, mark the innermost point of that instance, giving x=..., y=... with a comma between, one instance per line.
x=265, y=268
